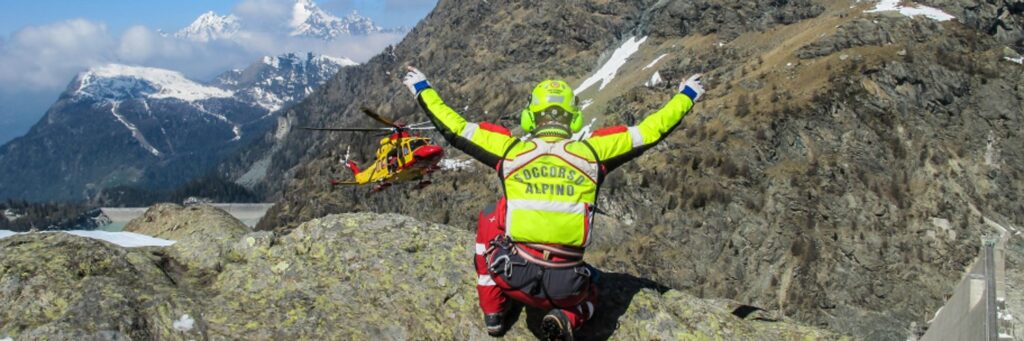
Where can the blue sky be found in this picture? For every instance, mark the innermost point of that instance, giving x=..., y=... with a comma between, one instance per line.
x=45, y=43
x=172, y=15
x=117, y=14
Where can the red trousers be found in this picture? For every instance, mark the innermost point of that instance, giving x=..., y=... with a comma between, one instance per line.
x=494, y=295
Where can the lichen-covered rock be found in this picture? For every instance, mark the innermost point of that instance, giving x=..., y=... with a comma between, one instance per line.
x=63, y=287
x=176, y=222
x=355, y=276
x=202, y=233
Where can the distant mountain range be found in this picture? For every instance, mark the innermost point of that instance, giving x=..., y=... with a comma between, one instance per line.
x=307, y=20
x=120, y=125
x=154, y=129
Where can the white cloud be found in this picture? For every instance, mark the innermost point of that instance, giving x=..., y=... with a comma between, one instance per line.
x=47, y=56
x=139, y=44
x=269, y=14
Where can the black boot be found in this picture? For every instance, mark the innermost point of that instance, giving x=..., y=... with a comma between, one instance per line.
x=556, y=326
x=499, y=323
x=495, y=324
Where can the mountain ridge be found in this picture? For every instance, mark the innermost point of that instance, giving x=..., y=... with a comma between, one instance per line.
x=119, y=125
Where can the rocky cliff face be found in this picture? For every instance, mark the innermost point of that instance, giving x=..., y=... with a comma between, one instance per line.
x=838, y=170
x=350, y=276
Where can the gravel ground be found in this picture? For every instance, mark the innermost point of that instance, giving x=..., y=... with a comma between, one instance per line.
x=1015, y=285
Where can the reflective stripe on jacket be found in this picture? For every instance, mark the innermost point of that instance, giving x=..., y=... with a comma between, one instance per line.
x=551, y=183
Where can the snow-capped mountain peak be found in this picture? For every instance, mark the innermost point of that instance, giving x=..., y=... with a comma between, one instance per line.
x=210, y=26
x=308, y=20
x=118, y=82
x=336, y=60
x=304, y=11
x=273, y=82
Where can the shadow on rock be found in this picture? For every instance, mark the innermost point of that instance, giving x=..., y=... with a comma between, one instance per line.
x=616, y=294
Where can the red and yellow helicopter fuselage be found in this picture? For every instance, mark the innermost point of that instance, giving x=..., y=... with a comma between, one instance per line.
x=400, y=158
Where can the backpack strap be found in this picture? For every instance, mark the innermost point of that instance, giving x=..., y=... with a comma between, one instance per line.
x=600, y=165
x=501, y=166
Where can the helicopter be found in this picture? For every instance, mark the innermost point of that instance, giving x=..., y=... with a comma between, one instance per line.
x=401, y=156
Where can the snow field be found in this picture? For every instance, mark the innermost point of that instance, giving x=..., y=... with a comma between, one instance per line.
x=607, y=72
x=169, y=84
x=912, y=10
x=125, y=239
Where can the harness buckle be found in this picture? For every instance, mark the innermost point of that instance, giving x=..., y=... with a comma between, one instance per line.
x=498, y=262
x=582, y=271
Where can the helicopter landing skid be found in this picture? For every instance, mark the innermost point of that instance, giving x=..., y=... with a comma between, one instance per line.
x=380, y=187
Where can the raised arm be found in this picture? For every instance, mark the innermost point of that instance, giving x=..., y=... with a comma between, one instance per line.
x=483, y=141
x=620, y=144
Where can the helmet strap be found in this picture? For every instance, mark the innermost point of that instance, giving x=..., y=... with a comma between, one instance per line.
x=553, y=129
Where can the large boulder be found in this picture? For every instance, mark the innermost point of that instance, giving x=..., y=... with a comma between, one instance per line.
x=176, y=222
x=350, y=276
x=202, y=233
x=59, y=286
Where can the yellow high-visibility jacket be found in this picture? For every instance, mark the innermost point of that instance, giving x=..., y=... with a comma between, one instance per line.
x=551, y=183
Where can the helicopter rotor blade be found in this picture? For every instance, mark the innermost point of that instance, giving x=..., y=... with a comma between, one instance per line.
x=345, y=129
x=420, y=124
x=378, y=118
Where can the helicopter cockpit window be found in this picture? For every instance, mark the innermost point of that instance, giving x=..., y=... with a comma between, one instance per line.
x=416, y=144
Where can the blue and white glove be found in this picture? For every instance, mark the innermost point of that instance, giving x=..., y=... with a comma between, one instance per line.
x=415, y=80
x=692, y=87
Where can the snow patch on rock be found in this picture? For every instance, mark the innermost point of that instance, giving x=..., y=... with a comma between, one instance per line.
x=655, y=80
x=912, y=10
x=991, y=152
x=656, y=60
x=941, y=223
x=124, y=239
x=607, y=72
x=1018, y=60
x=586, y=103
x=136, y=134
x=455, y=164
x=267, y=100
x=183, y=324
x=336, y=60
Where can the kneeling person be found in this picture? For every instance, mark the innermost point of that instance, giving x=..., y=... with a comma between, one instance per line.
x=530, y=245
